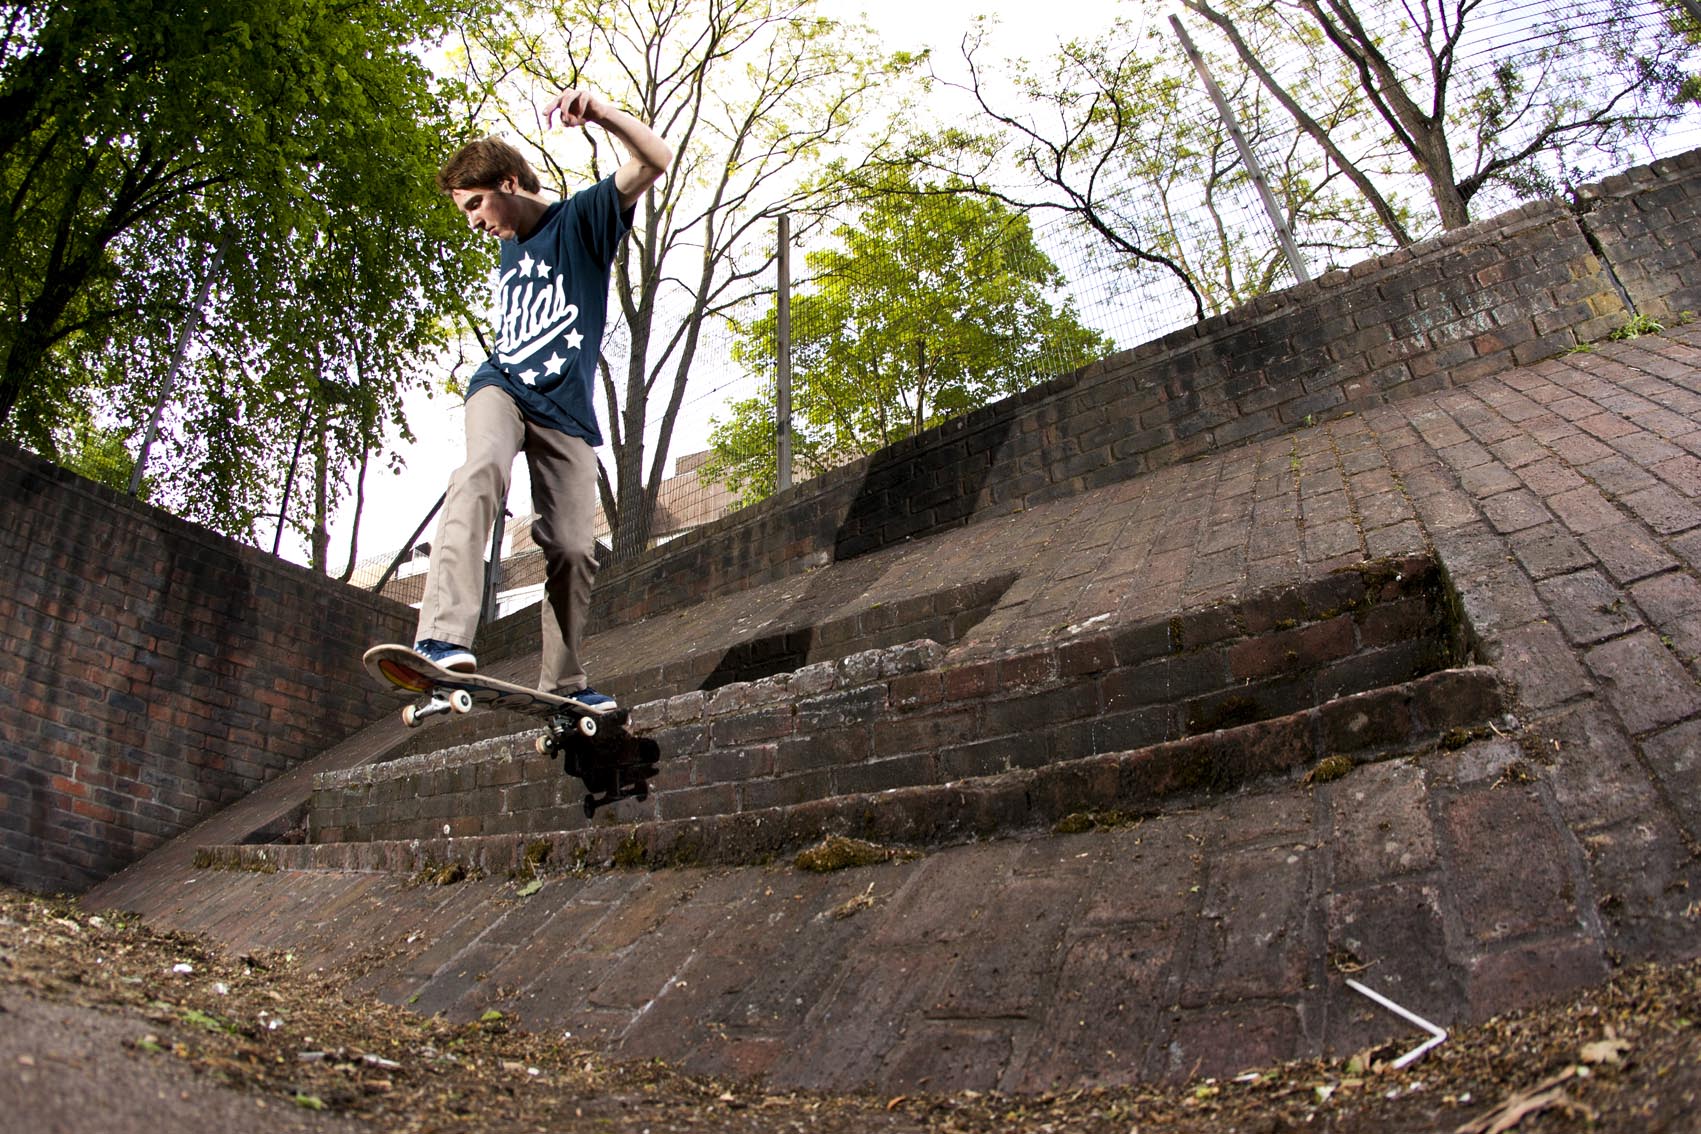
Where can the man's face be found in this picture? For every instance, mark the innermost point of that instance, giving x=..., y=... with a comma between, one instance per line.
x=498, y=211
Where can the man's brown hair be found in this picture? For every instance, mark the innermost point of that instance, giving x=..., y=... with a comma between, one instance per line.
x=484, y=164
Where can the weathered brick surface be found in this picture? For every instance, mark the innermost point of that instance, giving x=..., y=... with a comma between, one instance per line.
x=1207, y=928
x=158, y=672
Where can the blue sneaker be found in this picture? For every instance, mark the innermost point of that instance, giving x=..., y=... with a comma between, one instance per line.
x=588, y=698
x=446, y=654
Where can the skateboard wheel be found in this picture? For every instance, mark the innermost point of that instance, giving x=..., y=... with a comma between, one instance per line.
x=409, y=717
x=542, y=744
x=587, y=727
x=461, y=701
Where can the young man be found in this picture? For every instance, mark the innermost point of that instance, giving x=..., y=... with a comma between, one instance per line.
x=533, y=394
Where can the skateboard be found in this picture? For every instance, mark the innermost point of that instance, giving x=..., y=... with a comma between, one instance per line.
x=613, y=763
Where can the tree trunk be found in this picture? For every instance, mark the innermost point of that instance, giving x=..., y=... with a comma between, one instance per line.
x=321, y=551
x=33, y=339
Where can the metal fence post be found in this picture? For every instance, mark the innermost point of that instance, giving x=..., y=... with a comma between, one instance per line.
x=1247, y=157
x=493, y=569
x=782, y=363
x=190, y=322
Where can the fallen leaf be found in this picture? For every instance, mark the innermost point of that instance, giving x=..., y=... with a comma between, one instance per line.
x=1604, y=1051
x=1545, y=1095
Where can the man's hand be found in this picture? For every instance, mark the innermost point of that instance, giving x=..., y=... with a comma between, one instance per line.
x=648, y=156
x=576, y=107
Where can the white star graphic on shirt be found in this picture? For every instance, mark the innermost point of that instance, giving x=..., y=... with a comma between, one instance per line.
x=526, y=263
x=554, y=363
x=573, y=339
x=542, y=270
x=529, y=377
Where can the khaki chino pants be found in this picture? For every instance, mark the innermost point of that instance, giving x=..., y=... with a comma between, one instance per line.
x=564, y=472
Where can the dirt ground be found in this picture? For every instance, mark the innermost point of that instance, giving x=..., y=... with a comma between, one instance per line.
x=106, y=1025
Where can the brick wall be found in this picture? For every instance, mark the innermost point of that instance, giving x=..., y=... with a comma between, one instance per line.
x=155, y=672
x=1507, y=291
x=1644, y=223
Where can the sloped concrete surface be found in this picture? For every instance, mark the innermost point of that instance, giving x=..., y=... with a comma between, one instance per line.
x=1563, y=501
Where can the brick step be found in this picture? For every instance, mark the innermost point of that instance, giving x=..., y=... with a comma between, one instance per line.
x=904, y=717
x=1438, y=709
x=780, y=647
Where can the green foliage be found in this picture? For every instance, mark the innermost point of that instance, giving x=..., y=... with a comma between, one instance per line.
x=1583, y=92
x=1635, y=327
x=1120, y=144
x=937, y=302
x=300, y=136
x=101, y=454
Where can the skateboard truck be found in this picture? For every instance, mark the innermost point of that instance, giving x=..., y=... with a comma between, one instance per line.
x=452, y=701
x=603, y=762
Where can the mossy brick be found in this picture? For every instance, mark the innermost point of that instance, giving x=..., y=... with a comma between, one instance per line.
x=1143, y=642
x=1166, y=680
x=884, y=775
x=785, y=791
x=968, y=682
x=765, y=724
x=912, y=690
x=1084, y=656
x=686, y=803
x=1205, y=626
x=1283, y=651
x=840, y=709
x=1037, y=712
x=845, y=745
x=1114, y=732
x=925, y=732
x=1268, y=610
x=1034, y=667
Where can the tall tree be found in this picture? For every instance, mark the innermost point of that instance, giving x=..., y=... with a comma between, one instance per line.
x=1112, y=132
x=136, y=140
x=750, y=94
x=933, y=305
x=1580, y=88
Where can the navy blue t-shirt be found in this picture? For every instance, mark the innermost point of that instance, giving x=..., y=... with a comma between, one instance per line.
x=551, y=307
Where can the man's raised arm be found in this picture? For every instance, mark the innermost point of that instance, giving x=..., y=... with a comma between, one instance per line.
x=648, y=155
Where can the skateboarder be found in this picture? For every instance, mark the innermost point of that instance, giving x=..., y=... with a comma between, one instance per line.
x=534, y=393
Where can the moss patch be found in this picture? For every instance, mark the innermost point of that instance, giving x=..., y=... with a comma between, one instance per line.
x=444, y=874
x=1230, y=712
x=1328, y=769
x=1080, y=822
x=535, y=855
x=1456, y=738
x=630, y=854
x=836, y=852
x=208, y=859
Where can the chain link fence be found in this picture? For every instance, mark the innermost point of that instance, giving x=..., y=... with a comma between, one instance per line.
x=878, y=316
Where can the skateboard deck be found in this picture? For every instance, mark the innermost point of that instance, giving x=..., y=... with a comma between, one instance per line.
x=613, y=763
